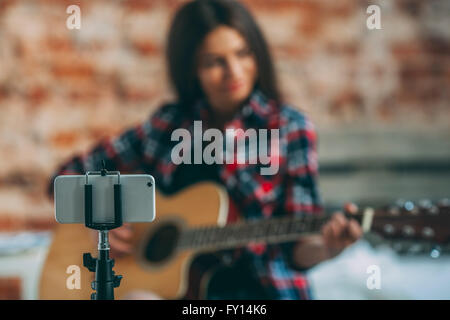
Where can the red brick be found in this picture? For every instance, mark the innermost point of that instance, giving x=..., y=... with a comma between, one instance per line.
x=5, y=5
x=386, y=110
x=99, y=133
x=146, y=48
x=414, y=69
x=280, y=6
x=59, y=45
x=10, y=288
x=347, y=100
x=309, y=26
x=11, y=222
x=61, y=3
x=138, y=5
x=37, y=95
x=4, y=92
x=436, y=46
x=350, y=49
x=41, y=224
x=133, y=94
x=408, y=49
x=412, y=7
x=76, y=69
x=65, y=139
x=84, y=92
x=343, y=9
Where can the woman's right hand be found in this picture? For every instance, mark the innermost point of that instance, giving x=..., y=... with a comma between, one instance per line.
x=119, y=240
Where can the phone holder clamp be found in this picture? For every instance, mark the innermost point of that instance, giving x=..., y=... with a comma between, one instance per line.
x=105, y=278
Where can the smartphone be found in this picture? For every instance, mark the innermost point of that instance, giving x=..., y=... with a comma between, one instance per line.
x=138, y=198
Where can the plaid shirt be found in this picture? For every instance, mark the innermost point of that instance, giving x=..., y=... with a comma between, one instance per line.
x=292, y=191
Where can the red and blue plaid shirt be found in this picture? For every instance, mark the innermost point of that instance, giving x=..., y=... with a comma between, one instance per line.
x=292, y=191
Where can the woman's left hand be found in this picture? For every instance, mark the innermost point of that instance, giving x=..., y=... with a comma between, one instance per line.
x=339, y=232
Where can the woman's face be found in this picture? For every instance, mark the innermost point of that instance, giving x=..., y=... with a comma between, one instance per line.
x=226, y=69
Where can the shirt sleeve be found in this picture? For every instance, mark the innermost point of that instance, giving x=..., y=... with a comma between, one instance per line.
x=302, y=190
x=302, y=195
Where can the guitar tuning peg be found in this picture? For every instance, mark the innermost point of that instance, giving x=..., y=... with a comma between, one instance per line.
x=425, y=204
x=405, y=205
x=428, y=232
x=428, y=206
x=444, y=202
x=415, y=248
x=409, y=206
x=408, y=231
x=389, y=229
x=394, y=210
x=400, y=202
x=397, y=247
x=396, y=207
x=435, y=252
x=434, y=210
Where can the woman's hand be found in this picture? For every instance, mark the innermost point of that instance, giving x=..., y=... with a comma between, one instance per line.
x=119, y=240
x=340, y=232
x=336, y=234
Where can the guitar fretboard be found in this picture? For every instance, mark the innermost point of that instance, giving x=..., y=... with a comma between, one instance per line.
x=274, y=230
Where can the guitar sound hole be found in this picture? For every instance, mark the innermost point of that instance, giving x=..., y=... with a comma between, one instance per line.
x=161, y=244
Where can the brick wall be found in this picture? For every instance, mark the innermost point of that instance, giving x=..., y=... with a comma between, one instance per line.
x=61, y=90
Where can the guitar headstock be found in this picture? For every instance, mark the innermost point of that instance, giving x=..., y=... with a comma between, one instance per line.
x=414, y=224
x=409, y=247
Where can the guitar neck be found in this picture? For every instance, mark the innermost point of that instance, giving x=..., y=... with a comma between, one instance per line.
x=427, y=222
x=270, y=231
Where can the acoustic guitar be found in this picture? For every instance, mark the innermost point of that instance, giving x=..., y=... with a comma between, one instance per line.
x=175, y=255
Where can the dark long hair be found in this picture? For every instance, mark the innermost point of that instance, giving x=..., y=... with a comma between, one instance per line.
x=192, y=23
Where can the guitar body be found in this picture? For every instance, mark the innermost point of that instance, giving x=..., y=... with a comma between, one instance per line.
x=150, y=267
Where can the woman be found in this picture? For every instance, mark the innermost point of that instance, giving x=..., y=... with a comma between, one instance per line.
x=222, y=72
